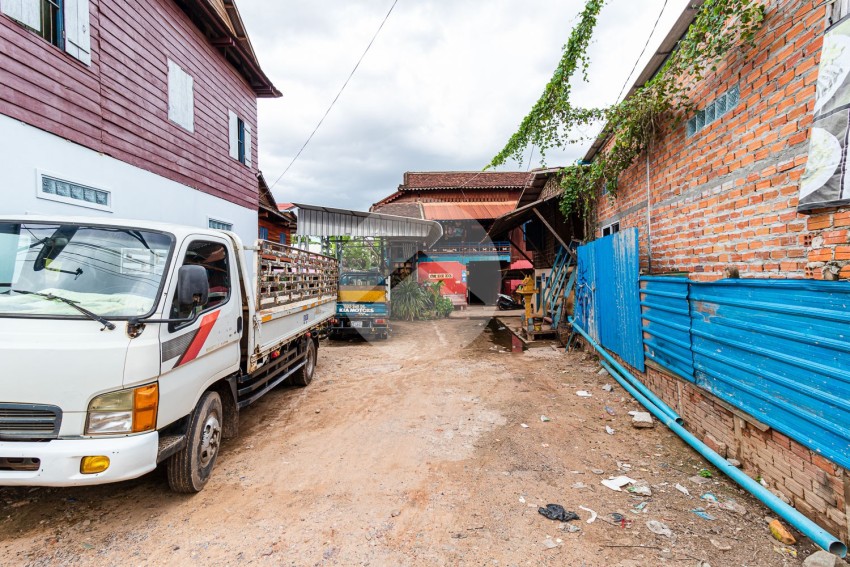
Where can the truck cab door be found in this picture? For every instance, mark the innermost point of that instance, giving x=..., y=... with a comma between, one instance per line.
x=196, y=354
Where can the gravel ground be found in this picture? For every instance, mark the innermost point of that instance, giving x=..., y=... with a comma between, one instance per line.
x=429, y=449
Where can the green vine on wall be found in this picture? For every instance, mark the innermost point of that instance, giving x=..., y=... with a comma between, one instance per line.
x=631, y=124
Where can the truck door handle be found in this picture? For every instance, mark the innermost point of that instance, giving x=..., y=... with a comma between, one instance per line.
x=239, y=325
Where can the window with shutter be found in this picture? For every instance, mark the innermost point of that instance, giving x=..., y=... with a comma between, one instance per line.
x=240, y=139
x=63, y=23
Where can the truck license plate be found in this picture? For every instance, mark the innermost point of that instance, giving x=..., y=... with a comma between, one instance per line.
x=357, y=323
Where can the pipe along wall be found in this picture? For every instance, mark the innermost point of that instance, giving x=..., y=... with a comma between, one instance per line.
x=668, y=417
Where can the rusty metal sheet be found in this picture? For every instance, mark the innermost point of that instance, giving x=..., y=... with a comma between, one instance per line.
x=484, y=210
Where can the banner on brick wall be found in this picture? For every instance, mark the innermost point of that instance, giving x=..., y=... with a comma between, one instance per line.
x=826, y=181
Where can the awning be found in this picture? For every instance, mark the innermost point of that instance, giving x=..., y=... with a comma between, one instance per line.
x=482, y=210
x=322, y=222
x=515, y=218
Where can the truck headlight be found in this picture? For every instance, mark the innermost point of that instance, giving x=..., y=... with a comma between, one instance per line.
x=124, y=411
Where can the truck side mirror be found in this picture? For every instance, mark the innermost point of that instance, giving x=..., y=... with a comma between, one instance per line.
x=193, y=288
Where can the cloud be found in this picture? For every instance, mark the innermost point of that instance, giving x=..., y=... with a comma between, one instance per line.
x=443, y=87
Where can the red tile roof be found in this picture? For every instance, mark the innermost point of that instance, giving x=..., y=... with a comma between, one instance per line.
x=466, y=179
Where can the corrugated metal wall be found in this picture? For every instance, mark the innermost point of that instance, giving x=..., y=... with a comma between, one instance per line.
x=777, y=349
x=607, y=294
x=667, y=323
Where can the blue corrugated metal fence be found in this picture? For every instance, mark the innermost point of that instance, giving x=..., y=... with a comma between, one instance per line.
x=607, y=294
x=777, y=349
x=667, y=323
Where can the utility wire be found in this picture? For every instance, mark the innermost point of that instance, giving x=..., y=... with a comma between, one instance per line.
x=333, y=102
x=642, y=51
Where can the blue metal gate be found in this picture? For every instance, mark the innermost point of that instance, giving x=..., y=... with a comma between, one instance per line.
x=607, y=295
x=777, y=349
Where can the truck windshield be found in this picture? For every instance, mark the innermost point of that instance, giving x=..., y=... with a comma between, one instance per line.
x=360, y=279
x=112, y=272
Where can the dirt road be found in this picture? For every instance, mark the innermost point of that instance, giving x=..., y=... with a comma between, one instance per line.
x=414, y=452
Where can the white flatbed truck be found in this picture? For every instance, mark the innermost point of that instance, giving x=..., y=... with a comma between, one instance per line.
x=128, y=344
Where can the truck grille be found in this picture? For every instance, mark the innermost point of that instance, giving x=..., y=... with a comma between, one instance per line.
x=29, y=422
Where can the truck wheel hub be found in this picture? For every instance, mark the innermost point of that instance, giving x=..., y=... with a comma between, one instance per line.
x=210, y=440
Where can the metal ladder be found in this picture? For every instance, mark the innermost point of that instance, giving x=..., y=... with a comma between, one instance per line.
x=558, y=285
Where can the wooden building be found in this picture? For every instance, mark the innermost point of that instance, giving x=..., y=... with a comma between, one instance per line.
x=466, y=203
x=276, y=224
x=132, y=109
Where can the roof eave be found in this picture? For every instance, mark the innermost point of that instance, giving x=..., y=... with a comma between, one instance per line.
x=668, y=45
x=206, y=17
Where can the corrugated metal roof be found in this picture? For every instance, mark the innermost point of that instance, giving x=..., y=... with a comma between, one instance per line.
x=327, y=222
x=464, y=211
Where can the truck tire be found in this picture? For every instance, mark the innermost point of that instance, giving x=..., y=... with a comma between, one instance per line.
x=191, y=467
x=304, y=375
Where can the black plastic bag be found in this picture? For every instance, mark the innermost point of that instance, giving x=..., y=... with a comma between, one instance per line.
x=557, y=512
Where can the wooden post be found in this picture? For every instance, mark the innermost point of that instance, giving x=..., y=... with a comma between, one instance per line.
x=555, y=234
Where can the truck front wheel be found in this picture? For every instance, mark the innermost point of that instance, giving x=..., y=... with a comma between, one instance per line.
x=304, y=375
x=190, y=468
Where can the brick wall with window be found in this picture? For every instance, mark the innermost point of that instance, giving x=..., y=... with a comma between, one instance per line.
x=135, y=80
x=723, y=192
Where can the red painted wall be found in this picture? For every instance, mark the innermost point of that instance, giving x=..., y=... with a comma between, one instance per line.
x=453, y=274
x=119, y=105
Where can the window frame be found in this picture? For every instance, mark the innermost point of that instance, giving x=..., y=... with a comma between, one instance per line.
x=73, y=40
x=40, y=194
x=240, y=139
x=612, y=228
x=58, y=23
x=211, y=220
x=174, y=327
x=264, y=233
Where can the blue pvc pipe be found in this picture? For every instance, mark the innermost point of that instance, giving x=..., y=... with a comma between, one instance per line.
x=637, y=384
x=807, y=527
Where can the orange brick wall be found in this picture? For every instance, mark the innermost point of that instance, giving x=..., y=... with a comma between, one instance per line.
x=727, y=195
x=816, y=487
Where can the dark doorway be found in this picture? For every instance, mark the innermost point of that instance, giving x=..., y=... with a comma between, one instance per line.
x=484, y=280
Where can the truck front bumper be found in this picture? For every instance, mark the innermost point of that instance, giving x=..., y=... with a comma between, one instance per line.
x=59, y=460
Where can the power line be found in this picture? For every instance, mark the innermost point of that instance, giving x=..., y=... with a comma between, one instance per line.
x=642, y=51
x=333, y=102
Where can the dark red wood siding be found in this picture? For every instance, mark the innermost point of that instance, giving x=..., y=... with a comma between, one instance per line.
x=119, y=105
x=275, y=230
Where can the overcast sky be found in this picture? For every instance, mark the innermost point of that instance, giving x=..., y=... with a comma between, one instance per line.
x=443, y=87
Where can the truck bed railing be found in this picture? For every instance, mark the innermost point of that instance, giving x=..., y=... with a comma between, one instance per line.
x=288, y=275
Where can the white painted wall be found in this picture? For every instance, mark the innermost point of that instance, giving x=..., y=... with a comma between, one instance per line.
x=26, y=151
